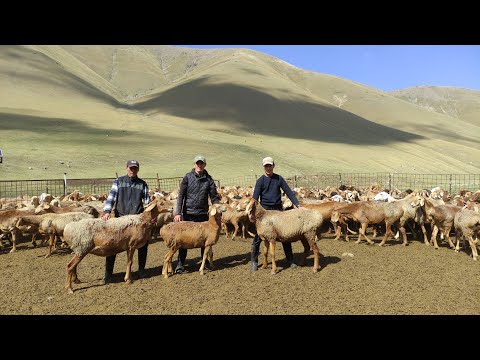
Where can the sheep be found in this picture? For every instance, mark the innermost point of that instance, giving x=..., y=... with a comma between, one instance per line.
x=235, y=217
x=52, y=225
x=191, y=235
x=467, y=223
x=374, y=212
x=106, y=238
x=286, y=226
x=442, y=217
x=163, y=217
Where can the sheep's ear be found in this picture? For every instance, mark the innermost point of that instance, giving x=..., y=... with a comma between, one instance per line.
x=151, y=206
x=248, y=209
x=213, y=211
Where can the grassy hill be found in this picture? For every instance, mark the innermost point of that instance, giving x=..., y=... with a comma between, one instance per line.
x=85, y=110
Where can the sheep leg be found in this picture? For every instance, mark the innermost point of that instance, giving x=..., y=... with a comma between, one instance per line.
x=363, y=231
x=128, y=273
x=265, y=254
x=306, y=251
x=434, y=236
x=34, y=241
x=167, y=260
x=272, y=252
x=473, y=246
x=235, y=227
x=447, y=235
x=205, y=255
x=51, y=244
x=210, y=258
x=424, y=231
x=71, y=270
x=388, y=230
x=316, y=253
x=15, y=232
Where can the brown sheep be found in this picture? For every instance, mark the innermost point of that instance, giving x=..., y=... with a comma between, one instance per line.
x=106, y=238
x=192, y=235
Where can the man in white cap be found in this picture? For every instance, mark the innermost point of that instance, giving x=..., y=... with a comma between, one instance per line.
x=192, y=202
x=129, y=195
x=268, y=188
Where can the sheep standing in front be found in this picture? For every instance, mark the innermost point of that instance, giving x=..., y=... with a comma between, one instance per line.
x=106, y=238
x=286, y=226
x=192, y=235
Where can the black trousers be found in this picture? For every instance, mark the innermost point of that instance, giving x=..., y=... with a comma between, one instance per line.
x=182, y=253
x=142, y=260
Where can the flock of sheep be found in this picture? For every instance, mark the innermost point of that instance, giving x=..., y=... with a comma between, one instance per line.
x=75, y=220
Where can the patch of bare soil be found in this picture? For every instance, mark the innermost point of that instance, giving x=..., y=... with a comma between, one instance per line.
x=391, y=280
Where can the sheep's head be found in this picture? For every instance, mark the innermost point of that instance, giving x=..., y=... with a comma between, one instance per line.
x=216, y=211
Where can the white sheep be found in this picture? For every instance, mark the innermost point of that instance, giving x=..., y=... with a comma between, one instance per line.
x=191, y=235
x=106, y=238
x=286, y=226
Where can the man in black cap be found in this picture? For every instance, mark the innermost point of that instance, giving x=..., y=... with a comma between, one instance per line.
x=129, y=195
x=192, y=203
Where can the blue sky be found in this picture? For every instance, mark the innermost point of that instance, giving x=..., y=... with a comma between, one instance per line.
x=385, y=67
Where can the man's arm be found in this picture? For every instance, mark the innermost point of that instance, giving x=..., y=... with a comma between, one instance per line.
x=111, y=200
x=215, y=199
x=182, y=192
x=146, y=194
x=258, y=188
x=289, y=192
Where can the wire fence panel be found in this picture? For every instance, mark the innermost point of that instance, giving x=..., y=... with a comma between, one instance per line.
x=18, y=190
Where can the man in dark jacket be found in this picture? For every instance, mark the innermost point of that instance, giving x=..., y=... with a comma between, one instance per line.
x=268, y=187
x=192, y=203
x=129, y=195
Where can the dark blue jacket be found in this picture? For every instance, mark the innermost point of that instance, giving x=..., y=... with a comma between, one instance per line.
x=268, y=189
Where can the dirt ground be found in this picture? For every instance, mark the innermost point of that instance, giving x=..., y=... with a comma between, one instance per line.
x=391, y=280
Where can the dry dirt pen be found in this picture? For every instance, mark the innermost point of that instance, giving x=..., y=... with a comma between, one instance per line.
x=391, y=280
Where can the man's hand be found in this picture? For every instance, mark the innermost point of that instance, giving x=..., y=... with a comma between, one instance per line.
x=106, y=216
x=177, y=218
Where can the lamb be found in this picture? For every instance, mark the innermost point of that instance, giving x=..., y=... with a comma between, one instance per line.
x=286, y=226
x=191, y=235
x=105, y=238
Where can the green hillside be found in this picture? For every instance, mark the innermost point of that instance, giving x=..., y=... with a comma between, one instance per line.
x=86, y=109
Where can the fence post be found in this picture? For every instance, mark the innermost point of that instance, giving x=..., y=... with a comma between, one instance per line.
x=295, y=181
x=64, y=183
x=390, y=183
x=158, y=183
x=450, y=185
x=340, y=178
x=116, y=175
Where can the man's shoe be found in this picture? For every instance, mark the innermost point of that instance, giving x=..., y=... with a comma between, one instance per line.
x=108, y=279
x=142, y=274
x=293, y=265
x=254, y=266
x=179, y=270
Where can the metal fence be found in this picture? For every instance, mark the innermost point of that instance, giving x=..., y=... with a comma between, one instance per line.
x=453, y=183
